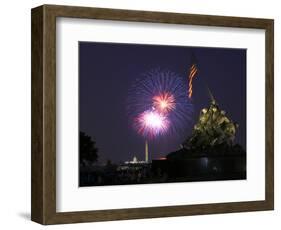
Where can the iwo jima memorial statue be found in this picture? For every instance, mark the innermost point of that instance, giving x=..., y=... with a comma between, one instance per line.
x=209, y=153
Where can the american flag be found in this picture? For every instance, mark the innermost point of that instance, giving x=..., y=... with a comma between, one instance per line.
x=192, y=74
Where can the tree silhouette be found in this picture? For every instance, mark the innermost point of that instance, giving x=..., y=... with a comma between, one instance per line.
x=87, y=149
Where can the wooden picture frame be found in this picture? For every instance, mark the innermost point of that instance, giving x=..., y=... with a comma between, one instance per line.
x=43, y=208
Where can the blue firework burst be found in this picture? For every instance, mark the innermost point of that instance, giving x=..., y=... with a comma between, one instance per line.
x=163, y=92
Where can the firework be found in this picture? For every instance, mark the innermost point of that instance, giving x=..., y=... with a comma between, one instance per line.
x=164, y=102
x=157, y=104
x=151, y=123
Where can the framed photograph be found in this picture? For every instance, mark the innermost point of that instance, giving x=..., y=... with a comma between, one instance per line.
x=141, y=114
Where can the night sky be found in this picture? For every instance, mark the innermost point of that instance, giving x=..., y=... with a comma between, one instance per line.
x=106, y=72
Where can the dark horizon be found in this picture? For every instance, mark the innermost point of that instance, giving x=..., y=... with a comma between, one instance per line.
x=107, y=70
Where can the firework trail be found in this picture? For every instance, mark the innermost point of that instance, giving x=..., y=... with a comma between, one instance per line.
x=192, y=74
x=157, y=104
